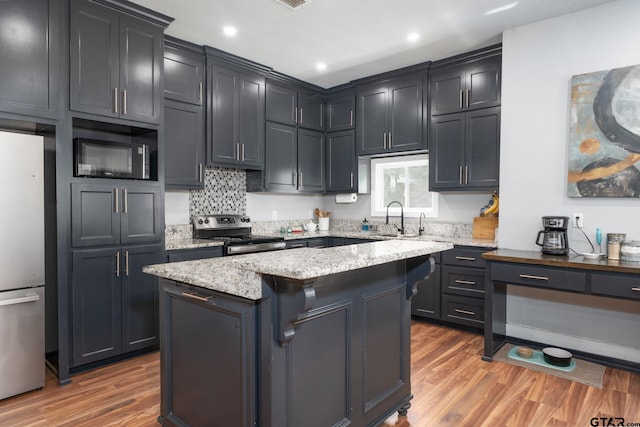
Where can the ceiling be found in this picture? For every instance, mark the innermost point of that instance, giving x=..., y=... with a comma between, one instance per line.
x=354, y=38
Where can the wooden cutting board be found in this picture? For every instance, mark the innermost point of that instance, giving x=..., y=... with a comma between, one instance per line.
x=484, y=227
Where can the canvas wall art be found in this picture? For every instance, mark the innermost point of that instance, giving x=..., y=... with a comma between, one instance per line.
x=604, y=136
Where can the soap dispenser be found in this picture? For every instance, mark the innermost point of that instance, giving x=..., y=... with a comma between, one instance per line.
x=365, y=225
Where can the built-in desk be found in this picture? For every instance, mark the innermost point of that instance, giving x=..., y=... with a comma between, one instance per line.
x=613, y=279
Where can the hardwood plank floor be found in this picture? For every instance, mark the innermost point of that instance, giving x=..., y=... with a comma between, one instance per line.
x=452, y=386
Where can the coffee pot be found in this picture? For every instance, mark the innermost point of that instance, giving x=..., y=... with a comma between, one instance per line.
x=553, y=239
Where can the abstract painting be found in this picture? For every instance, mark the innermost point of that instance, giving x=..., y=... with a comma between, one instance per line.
x=604, y=136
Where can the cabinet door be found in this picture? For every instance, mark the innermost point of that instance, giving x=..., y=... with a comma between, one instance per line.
x=139, y=297
x=311, y=155
x=483, y=83
x=404, y=129
x=140, y=68
x=372, y=120
x=482, y=154
x=142, y=213
x=95, y=214
x=341, y=113
x=224, y=145
x=183, y=76
x=280, y=157
x=94, y=59
x=445, y=148
x=184, y=145
x=281, y=104
x=341, y=162
x=29, y=49
x=310, y=111
x=251, y=120
x=426, y=303
x=96, y=305
x=447, y=90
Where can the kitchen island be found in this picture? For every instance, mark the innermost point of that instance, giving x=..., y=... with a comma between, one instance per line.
x=313, y=337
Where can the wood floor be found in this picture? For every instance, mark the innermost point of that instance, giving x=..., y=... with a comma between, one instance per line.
x=452, y=386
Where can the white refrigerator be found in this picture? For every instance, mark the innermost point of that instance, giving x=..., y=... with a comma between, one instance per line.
x=22, y=366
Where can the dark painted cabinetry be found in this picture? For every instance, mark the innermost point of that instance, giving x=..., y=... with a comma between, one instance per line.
x=390, y=116
x=342, y=166
x=114, y=304
x=341, y=109
x=30, y=51
x=184, y=120
x=116, y=63
x=426, y=303
x=294, y=107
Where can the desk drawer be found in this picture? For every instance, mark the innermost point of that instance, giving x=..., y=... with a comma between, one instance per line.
x=615, y=285
x=542, y=277
x=462, y=310
x=463, y=281
x=464, y=257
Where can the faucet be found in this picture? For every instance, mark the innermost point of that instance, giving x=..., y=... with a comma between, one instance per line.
x=401, y=229
x=420, y=227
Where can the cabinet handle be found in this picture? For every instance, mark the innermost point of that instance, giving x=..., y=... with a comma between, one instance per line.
x=118, y=264
x=390, y=141
x=461, y=96
x=116, y=192
x=125, y=201
x=201, y=172
x=126, y=263
x=528, y=276
x=237, y=152
x=467, y=312
x=243, y=152
x=467, y=98
x=384, y=140
x=460, y=175
x=300, y=180
x=295, y=114
x=115, y=100
x=300, y=115
x=198, y=297
x=351, y=179
x=466, y=174
x=635, y=289
x=465, y=258
x=200, y=92
x=465, y=282
x=294, y=177
x=124, y=102
x=351, y=117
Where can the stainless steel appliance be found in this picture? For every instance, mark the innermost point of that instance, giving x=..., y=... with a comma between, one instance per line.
x=21, y=263
x=553, y=239
x=109, y=159
x=235, y=231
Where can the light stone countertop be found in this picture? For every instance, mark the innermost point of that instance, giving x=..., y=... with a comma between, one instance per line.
x=240, y=275
x=176, y=244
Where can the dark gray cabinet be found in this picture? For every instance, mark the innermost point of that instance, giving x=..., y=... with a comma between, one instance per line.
x=115, y=213
x=184, y=118
x=114, y=305
x=426, y=303
x=116, y=63
x=30, y=51
x=236, y=117
x=466, y=86
x=464, y=151
x=294, y=159
x=341, y=109
x=193, y=254
x=389, y=116
x=342, y=166
x=294, y=107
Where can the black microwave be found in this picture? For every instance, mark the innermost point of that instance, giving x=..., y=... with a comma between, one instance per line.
x=109, y=159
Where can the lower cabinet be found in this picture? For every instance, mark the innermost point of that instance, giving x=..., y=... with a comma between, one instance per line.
x=314, y=242
x=193, y=254
x=114, y=304
x=426, y=303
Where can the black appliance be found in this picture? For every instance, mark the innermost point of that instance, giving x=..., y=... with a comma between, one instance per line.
x=235, y=232
x=109, y=159
x=553, y=239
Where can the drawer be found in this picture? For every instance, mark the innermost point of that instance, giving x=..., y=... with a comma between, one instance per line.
x=615, y=285
x=464, y=257
x=463, y=281
x=320, y=242
x=293, y=244
x=541, y=277
x=463, y=311
x=194, y=254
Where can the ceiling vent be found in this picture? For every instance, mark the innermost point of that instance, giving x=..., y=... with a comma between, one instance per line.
x=293, y=4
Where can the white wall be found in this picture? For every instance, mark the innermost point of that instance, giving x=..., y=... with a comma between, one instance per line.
x=538, y=62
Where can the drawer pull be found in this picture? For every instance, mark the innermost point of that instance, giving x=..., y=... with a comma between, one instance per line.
x=635, y=289
x=529, y=276
x=467, y=312
x=465, y=282
x=194, y=296
x=465, y=258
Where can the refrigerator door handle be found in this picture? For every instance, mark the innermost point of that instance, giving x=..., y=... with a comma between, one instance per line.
x=21, y=300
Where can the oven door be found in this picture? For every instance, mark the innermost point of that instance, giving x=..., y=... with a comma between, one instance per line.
x=247, y=248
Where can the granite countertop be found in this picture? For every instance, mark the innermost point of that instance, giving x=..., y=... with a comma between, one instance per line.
x=240, y=275
x=176, y=244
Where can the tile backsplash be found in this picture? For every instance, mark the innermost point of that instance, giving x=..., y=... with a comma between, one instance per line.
x=224, y=192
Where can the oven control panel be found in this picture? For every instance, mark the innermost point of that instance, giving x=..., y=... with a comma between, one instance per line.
x=221, y=221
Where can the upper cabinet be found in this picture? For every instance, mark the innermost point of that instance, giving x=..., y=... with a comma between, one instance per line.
x=116, y=63
x=390, y=116
x=295, y=107
x=466, y=86
x=30, y=51
x=341, y=111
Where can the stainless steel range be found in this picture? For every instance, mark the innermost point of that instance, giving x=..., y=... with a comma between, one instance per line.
x=235, y=232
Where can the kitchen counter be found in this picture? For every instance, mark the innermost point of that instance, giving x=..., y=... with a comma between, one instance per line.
x=176, y=244
x=240, y=275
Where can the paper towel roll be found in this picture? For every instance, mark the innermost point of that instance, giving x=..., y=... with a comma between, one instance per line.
x=346, y=198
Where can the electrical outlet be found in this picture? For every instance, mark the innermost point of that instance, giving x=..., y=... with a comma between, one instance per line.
x=274, y=215
x=578, y=220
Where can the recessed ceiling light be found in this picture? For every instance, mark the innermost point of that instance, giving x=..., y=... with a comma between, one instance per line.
x=413, y=37
x=321, y=66
x=502, y=8
x=230, y=31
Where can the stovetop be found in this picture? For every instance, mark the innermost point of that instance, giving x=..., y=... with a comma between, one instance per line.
x=230, y=228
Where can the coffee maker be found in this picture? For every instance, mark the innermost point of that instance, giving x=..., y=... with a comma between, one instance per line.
x=553, y=238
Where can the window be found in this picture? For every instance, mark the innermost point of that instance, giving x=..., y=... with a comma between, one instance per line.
x=404, y=179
